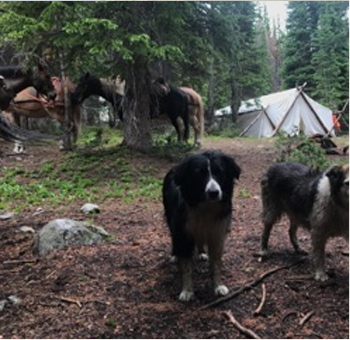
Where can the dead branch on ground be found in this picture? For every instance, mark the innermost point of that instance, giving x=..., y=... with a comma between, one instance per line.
x=306, y=317
x=242, y=329
x=262, y=302
x=19, y=261
x=248, y=286
x=70, y=301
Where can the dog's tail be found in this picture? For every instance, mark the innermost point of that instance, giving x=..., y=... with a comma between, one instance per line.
x=271, y=207
x=264, y=196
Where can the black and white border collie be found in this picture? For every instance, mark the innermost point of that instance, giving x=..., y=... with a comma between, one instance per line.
x=197, y=198
x=317, y=201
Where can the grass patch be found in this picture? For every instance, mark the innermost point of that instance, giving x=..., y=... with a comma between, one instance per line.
x=97, y=171
x=18, y=193
x=85, y=175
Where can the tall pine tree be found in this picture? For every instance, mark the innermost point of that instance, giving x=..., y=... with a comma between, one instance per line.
x=331, y=57
x=299, y=44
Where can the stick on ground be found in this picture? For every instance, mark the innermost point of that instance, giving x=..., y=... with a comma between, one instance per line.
x=19, y=261
x=248, y=285
x=242, y=329
x=70, y=301
x=262, y=302
x=307, y=317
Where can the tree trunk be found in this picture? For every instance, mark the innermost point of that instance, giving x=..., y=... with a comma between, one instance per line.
x=209, y=114
x=68, y=138
x=235, y=99
x=136, y=107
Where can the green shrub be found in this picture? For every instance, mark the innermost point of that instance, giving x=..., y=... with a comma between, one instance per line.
x=305, y=152
x=224, y=127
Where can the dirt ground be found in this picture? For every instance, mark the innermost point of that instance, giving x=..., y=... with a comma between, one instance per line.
x=127, y=288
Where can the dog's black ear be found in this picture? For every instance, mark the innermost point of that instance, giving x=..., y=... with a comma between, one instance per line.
x=233, y=168
x=181, y=172
x=336, y=175
x=333, y=172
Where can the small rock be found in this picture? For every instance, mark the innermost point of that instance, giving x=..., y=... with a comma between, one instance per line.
x=15, y=300
x=2, y=305
x=38, y=211
x=26, y=229
x=99, y=230
x=90, y=208
x=7, y=216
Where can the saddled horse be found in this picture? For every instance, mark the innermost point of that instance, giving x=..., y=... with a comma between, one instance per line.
x=112, y=91
x=15, y=79
x=29, y=103
x=184, y=106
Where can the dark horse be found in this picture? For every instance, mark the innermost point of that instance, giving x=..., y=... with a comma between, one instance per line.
x=183, y=106
x=173, y=102
x=15, y=79
x=90, y=85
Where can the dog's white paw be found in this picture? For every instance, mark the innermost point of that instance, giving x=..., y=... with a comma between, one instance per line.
x=262, y=253
x=321, y=276
x=203, y=257
x=221, y=290
x=186, y=295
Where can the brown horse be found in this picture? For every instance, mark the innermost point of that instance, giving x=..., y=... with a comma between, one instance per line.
x=183, y=106
x=15, y=79
x=29, y=103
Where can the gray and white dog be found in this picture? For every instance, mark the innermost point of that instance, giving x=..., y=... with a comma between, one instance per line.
x=317, y=201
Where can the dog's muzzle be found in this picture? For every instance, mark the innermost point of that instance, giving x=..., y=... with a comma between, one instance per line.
x=213, y=191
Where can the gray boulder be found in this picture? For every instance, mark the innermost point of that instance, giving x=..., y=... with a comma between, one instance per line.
x=61, y=233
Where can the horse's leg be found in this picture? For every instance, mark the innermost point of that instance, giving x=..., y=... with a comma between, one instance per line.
x=58, y=113
x=16, y=118
x=195, y=125
x=180, y=129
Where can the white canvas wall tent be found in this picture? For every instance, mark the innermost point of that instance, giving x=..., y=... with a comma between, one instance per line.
x=291, y=112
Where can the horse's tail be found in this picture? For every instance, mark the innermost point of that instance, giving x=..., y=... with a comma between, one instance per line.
x=6, y=132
